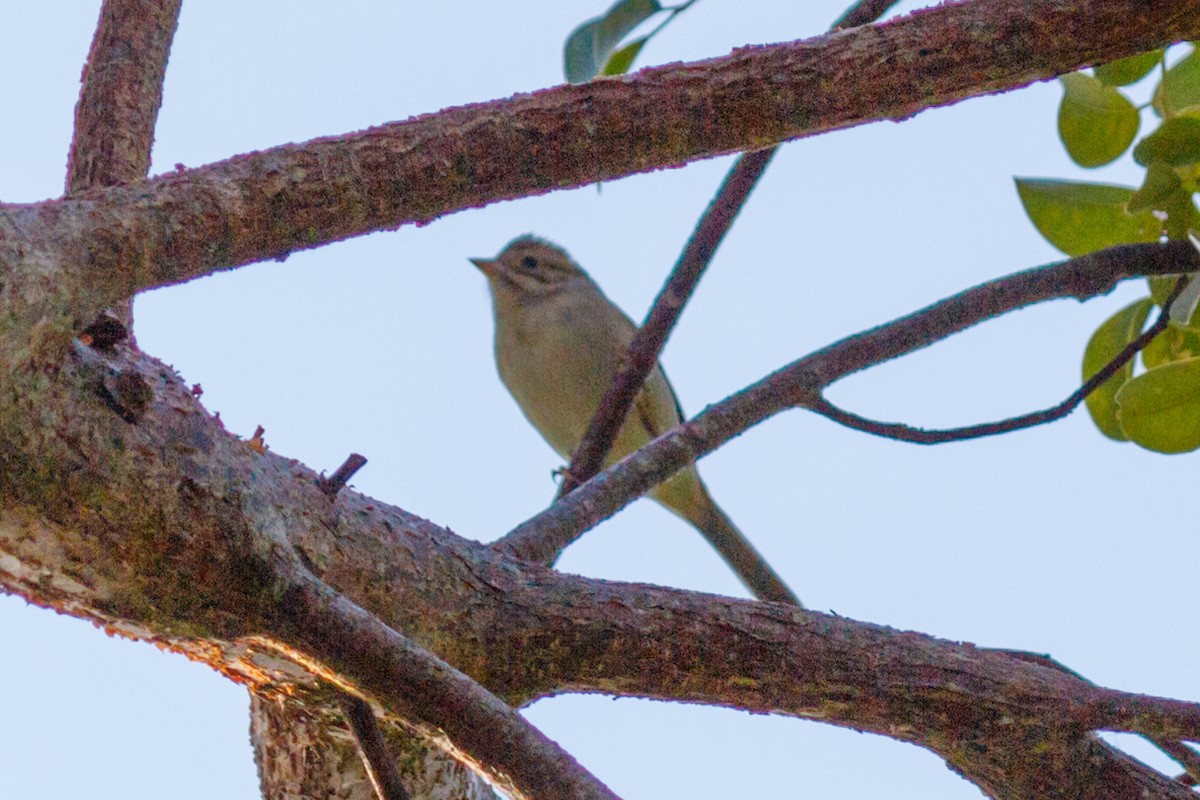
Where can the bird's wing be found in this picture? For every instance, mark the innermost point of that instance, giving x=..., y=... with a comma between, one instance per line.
x=644, y=408
x=657, y=420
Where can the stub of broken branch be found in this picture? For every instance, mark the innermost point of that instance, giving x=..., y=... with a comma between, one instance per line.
x=334, y=483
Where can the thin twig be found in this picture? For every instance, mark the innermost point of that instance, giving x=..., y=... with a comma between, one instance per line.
x=588, y=458
x=378, y=762
x=907, y=433
x=799, y=384
x=648, y=342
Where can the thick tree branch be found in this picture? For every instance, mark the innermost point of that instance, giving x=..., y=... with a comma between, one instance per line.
x=267, y=204
x=177, y=509
x=121, y=93
x=800, y=383
x=347, y=641
x=119, y=100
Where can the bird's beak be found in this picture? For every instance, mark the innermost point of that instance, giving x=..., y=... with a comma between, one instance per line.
x=486, y=265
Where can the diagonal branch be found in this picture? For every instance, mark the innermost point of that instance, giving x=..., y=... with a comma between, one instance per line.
x=650, y=338
x=1187, y=757
x=799, y=384
x=265, y=205
x=664, y=313
x=339, y=638
x=379, y=764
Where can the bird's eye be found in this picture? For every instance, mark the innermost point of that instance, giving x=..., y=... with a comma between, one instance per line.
x=529, y=262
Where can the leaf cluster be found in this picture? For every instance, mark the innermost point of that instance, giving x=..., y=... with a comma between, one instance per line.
x=1157, y=407
x=598, y=47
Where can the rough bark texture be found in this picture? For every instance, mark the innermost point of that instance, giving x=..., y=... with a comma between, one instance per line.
x=303, y=752
x=267, y=204
x=175, y=540
x=120, y=98
x=122, y=92
x=122, y=500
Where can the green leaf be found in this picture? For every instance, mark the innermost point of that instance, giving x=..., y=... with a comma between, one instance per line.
x=1160, y=409
x=1095, y=121
x=1175, y=142
x=589, y=46
x=1117, y=331
x=619, y=62
x=1173, y=344
x=1078, y=218
x=581, y=58
x=1181, y=214
x=1155, y=193
x=1128, y=70
x=1180, y=86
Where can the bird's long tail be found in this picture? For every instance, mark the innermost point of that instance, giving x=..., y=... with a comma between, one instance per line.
x=741, y=556
x=687, y=496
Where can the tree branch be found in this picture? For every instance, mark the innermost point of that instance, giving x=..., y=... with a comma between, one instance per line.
x=300, y=754
x=907, y=433
x=664, y=313
x=863, y=12
x=338, y=639
x=121, y=93
x=119, y=100
x=377, y=761
x=146, y=516
x=1188, y=758
x=267, y=204
x=648, y=341
x=800, y=383
x=174, y=508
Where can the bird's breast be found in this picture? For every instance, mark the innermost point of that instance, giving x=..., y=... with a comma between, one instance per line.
x=556, y=365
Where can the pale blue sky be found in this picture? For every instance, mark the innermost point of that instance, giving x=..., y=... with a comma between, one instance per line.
x=1053, y=540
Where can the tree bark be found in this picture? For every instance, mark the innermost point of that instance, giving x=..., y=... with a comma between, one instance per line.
x=303, y=752
x=123, y=501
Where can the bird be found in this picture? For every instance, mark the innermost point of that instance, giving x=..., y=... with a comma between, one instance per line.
x=559, y=342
